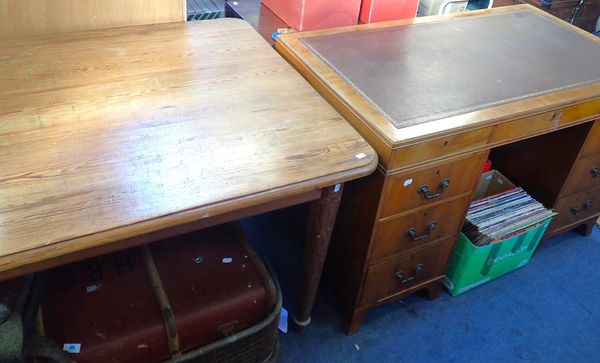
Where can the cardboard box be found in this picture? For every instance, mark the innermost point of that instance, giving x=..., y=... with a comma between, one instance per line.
x=471, y=266
x=373, y=11
x=315, y=14
x=490, y=183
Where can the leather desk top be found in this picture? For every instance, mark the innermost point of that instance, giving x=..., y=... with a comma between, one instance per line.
x=408, y=81
x=423, y=72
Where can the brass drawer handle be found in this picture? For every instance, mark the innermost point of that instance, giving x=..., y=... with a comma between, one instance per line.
x=424, y=189
x=576, y=211
x=412, y=233
x=595, y=172
x=403, y=279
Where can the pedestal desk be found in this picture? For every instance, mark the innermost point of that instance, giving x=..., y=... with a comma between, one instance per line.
x=436, y=97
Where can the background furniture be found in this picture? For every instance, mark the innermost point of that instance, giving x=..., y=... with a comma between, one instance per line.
x=205, y=9
x=434, y=113
x=22, y=18
x=114, y=138
x=584, y=14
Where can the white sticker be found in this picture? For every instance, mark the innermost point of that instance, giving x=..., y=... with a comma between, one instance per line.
x=235, y=3
x=361, y=156
x=74, y=348
x=500, y=181
x=227, y=260
x=337, y=188
x=283, y=320
x=408, y=182
x=488, y=177
x=91, y=288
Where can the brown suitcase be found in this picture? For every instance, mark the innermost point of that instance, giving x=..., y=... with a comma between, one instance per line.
x=157, y=302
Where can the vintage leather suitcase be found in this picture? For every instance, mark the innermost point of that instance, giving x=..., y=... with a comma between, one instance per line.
x=160, y=301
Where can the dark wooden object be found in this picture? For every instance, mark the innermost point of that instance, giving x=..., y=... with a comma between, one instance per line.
x=320, y=226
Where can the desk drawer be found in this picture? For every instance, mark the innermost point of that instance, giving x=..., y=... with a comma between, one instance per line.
x=395, y=276
x=413, y=189
x=576, y=207
x=592, y=146
x=441, y=147
x=398, y=234
x=585, y=175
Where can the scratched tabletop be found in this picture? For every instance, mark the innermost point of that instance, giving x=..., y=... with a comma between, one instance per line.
x=108, y=134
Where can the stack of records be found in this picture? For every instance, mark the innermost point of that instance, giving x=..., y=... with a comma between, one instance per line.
x=500, y=216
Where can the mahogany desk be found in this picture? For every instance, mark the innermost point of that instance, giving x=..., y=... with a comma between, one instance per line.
x=436, y=97
x=118, y=137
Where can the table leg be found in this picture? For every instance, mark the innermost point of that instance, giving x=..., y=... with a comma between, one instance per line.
x=320, y=226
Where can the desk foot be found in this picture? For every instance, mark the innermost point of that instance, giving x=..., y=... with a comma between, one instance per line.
x=587, y=227
x=320, y=226
x=299, y=326
x=353, y=323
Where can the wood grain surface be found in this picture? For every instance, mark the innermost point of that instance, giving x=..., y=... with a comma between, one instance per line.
x=23, y=18
x=109, y=134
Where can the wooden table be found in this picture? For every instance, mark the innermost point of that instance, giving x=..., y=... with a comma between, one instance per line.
x=436, y=97
x=118, y=137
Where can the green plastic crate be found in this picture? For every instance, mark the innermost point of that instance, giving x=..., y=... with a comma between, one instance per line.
x=471, y=266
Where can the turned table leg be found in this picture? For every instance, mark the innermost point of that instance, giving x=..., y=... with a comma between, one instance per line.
x=320, y=226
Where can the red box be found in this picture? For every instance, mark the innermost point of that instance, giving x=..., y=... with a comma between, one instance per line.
x=315, y=14
x=373, y=11
x=488, y=166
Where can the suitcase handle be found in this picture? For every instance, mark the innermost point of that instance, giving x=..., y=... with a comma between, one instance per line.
x=424, y=189
x=412, y=233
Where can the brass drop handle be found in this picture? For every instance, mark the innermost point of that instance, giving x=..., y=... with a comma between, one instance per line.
x=595, y=172
x=412, y=233
x=403, y=279
x=424, y=190
x=577, y=211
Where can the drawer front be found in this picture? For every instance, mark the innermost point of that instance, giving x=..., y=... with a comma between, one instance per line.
x=410, y=190
x=585, y=175
x=576, y=207
x=544, y=122
x=592, y=146
x=441, y=147
x=395, y=276
x=398, y=234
